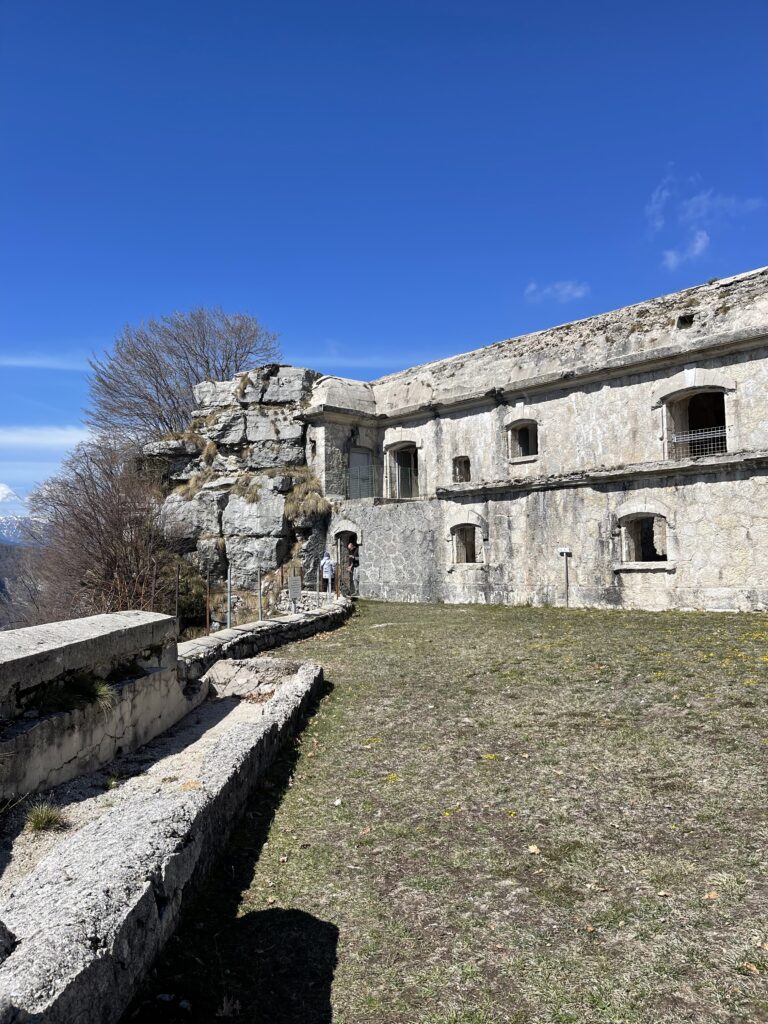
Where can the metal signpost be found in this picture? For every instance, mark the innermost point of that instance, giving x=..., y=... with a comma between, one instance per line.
x=565, y=554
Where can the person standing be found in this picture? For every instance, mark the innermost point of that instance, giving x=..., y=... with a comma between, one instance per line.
x=353, y=561
x=328, y=569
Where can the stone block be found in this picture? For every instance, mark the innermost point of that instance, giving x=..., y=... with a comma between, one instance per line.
x=184, y=520
x=262, y=518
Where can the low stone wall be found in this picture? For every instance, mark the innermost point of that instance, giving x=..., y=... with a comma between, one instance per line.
x=134, y=652
x=251, y=638
x=86, y=925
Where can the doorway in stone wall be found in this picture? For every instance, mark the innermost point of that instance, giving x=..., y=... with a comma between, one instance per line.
x=343, y=537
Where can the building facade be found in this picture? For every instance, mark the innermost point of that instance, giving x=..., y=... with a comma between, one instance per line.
x=619, y=461
x=630, y=449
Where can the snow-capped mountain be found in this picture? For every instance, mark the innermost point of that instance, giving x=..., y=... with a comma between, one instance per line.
x=13, y=516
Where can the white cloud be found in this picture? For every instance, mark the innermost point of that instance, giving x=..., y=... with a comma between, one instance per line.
x=44, y=363
x=698, y=213
x=708, y=206
x=42, y=437
x=557, y=291
x=698, y=245
x=655, y=208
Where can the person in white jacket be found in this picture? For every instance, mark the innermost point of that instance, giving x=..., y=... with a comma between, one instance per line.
x=328, y=570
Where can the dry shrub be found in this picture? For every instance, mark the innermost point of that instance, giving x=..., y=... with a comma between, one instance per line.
x=209, y=453
x=190, y=488
x=305, y=500
x=247, y=487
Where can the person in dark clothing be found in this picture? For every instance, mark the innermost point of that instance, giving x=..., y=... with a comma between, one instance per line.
x=353, y=561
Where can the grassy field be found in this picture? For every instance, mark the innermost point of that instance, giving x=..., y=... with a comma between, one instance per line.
x=501, y=814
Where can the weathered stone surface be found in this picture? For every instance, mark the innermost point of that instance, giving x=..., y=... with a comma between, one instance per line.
x=212, y=393
x=272, y=425
x=37, y=655
x=274, y=455
x=291, y=384
x=262, y=518
x=173, y=448
x=246, y=555
x=96, y=911
x=251, y=638
x=228, y=429
x=211, y=556
x=185, y=520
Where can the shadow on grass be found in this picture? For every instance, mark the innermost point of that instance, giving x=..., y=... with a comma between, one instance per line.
x=273, y=966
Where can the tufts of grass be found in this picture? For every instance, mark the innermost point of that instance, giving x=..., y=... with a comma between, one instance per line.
x=305, y=500
x=188, y=490
x=242, y=386
x=209, y=453
x=248, y=488
x=44, y=816
x=76, y=691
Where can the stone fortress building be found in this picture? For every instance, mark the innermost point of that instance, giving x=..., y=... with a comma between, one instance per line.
x=618, y=461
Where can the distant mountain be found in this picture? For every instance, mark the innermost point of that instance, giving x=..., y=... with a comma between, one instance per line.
x=13, y=516
x=12, y=529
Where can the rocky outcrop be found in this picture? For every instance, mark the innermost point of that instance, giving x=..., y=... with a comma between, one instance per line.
x=232, y=478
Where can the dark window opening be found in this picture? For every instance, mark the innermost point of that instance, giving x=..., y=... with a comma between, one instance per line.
x=406, y=472
x=465, y=548
x=697, y=425
x=523, y=441
x=461, y=470
x=645, y=539
x=686, y=320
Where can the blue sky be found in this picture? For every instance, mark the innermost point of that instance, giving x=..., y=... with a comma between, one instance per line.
x=380, y=183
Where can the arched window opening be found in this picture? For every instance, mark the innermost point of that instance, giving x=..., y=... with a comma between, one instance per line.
x=644, y=539
x=467, y=545
x=461, y=470
x=696, y=425
x=404, y=478
x=523, y=440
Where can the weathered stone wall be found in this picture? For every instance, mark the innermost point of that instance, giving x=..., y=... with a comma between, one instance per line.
x=717, y=544
x=135, y=652
x=601, y=393
x=252, y=638
x=234, y=473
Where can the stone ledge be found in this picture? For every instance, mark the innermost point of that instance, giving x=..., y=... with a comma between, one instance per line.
x=35, y=655
x=252, y=638
x=94, y=914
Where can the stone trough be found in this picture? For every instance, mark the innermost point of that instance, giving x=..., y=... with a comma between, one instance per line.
x=80, y=931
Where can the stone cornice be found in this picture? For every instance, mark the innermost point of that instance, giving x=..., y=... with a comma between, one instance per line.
x=669, y=355
x=610, y=474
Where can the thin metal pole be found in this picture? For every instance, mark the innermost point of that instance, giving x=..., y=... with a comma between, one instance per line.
x=319, y=577
x=261, y=609
x=229, y=597
x=208, y=602
x=565, y=557
x=178, y=574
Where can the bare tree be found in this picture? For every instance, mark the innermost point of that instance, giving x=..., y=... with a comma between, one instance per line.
x=101, y=546
x=143, y=388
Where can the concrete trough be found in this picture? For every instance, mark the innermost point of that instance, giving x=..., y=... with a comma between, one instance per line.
x=85, y=926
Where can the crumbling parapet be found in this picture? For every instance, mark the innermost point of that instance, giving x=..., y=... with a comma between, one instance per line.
x=76, y=693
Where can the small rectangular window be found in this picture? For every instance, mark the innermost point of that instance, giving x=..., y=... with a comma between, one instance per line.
x=685, y=320
x=465, y=549
x=461, y=470
x=645, y=539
